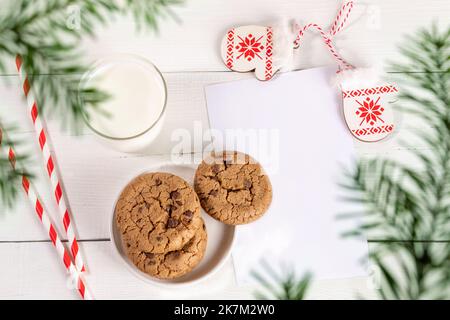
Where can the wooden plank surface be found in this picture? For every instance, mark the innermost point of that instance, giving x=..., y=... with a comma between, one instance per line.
x=193, y=37
x=31, y=269
x=32, y=273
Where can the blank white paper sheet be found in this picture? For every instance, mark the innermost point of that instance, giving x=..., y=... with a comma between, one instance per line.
x=303, y=142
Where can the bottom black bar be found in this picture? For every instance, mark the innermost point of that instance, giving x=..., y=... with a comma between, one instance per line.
x=218, y=309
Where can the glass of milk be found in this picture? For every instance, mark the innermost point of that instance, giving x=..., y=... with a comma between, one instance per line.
x=131, y=119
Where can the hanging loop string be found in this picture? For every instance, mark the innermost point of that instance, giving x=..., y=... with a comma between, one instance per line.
x=327, y=37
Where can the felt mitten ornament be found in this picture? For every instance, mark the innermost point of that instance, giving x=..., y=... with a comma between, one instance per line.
x=367, y=104
x=262, y=49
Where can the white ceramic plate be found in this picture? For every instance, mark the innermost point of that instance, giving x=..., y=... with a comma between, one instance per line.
x=218, y=250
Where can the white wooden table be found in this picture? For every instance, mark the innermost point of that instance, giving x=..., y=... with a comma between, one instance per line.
x=187, y=52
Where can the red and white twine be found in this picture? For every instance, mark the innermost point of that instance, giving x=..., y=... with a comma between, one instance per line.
x=35, y=201
x=50, y=165
x=327, y=37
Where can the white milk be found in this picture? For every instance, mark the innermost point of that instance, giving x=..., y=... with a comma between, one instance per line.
x=134, y=110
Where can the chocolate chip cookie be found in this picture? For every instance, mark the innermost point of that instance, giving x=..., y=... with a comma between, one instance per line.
x=158, y=213
x=232, y=187
x=172, y=264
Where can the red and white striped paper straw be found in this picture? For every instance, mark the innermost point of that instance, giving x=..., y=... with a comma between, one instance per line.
x=50, y=164
x=47, y=224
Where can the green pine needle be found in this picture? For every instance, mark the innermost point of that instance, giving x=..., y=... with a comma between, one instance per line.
x=10, y=178
x=146, y=13
x=405, y=205
x=285, y=286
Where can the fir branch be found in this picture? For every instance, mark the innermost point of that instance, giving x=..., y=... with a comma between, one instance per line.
x=408, y=206
x=47, y=34
x=146, y=12
x=54, y=73
x=280, y=287
x=10, y=178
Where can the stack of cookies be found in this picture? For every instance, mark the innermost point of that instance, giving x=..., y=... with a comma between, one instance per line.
x=158, y=216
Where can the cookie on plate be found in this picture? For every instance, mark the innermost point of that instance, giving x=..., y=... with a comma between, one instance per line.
x=233, y=187
x=158, y=213
x=172, y=264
